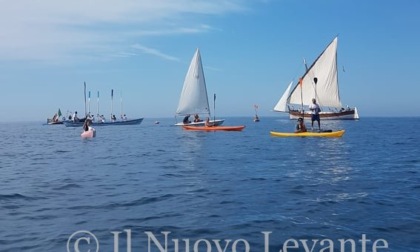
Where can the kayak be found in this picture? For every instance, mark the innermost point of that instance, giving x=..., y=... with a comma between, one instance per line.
x=89, y=134
x=214, y=128
x=338, y=133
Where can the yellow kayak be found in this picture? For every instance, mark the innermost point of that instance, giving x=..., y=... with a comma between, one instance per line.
x=338, y=133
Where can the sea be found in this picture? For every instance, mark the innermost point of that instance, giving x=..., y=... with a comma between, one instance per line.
x=157, y=187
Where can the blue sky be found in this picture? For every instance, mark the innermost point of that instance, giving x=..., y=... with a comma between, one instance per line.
x=250, y=50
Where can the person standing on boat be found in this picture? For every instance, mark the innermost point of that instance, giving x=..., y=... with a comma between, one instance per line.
x=315, y=109
x=300, y=127
x=75, y=118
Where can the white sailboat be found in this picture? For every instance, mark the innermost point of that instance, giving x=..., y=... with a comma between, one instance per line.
x=194, y=99
x=320, y=81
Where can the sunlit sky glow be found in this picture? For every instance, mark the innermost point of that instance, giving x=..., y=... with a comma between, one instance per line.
x=250, y=50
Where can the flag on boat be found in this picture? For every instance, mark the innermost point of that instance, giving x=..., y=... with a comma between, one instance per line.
x=59, y=113
x=112, y=93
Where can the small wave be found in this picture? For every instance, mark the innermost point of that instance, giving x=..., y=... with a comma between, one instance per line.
x=15, y=196
x=139, y=202
x=66, y=187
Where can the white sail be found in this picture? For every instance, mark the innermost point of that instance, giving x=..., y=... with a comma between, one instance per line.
x=194, y=99
x=281, y=105
x=325, y=90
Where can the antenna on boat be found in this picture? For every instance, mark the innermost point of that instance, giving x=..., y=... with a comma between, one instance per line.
x=214, y=109
x=301, y=97
x=89, y=102
x=85, y=97
x=121, y=101
x=112, y=103
x=97, y=107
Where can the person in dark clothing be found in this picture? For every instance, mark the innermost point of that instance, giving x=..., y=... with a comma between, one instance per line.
x=186, y=119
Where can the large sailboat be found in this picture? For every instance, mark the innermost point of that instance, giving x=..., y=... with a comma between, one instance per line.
x=194, y=100
x=320, y=81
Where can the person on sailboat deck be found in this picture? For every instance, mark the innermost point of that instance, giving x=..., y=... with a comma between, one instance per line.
x=315, y=109
x=300, y=126
x=186, y=119
x=113, y=118
x=208, y=124
x=197, y=118
x=55, y=118
x=75, y=118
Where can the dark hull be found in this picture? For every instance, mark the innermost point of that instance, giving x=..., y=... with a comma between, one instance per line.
x=54, y=123
x=99, y=124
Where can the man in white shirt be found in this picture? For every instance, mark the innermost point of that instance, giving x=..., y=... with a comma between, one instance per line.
x=315, y=109
x=75, y=118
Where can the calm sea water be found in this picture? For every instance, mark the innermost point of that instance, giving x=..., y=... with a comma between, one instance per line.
x=209, y=185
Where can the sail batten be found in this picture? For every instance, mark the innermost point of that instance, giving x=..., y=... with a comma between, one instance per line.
x=325, y=90
x=194, y=99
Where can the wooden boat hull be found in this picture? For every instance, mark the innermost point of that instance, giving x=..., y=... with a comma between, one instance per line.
x=214, y=128
x=89, y=134
x=338, y=133
x=349, y=114
x=116, y=123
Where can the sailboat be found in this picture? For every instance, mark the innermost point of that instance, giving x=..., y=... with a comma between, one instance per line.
x=256, y=118
x=320, y=81
x=112, y=122
x=194, y=99
x=55, y=119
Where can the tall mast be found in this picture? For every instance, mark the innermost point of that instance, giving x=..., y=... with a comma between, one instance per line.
x=97, y=107
x=112, y=103
x=85, y=97
x=121, y=101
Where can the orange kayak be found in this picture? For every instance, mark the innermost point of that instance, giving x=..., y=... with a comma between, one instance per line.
x=215, y=128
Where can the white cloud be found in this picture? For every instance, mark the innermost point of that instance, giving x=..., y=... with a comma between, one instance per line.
x=155, y=52
x=53, y=30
